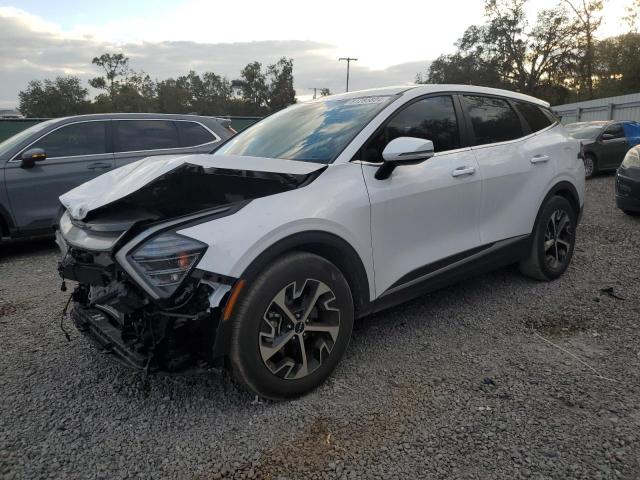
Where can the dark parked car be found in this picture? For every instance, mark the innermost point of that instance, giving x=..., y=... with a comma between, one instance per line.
x=628, y=183
x=50, y=158
x=605, y=143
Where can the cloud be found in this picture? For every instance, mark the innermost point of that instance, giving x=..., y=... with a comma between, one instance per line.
x=31, y=48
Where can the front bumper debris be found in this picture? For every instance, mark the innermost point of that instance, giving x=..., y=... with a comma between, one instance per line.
x=95, y=324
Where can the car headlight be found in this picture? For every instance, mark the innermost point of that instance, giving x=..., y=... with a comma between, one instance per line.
x=632, y=158
x=166, y=260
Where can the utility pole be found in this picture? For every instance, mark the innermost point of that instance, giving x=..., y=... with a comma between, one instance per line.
x=348, y=60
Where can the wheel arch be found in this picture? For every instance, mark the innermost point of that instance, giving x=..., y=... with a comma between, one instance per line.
x=329, y=246
x=6, y=223
x=567, y=190
x=563, y=189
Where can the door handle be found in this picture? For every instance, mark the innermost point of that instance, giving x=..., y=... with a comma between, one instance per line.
x=99, y=166
x=461, y=171
x=540, y=159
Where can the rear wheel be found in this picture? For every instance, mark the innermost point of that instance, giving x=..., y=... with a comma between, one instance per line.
x=553, y=241
x=291, y=326
x=590, y=165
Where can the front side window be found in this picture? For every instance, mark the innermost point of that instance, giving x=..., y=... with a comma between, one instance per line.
x=316, y=131
x=493, y=119
x=86, y=138
x=533, y=115
x=432, y=118
x=137, y=135
x=193, y=134
x=584, y=131
x=615, y=130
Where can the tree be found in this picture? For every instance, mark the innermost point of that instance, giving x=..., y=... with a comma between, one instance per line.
x=54, y=98
x=632, y=15
x=588, y=19
x=173, y=96
x=253, y=83
x=280, y=91
x=617, y=65
x=114, y=65
x=506, y=52
x=325, y=92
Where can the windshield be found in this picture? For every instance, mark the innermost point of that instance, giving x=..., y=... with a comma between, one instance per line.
x=310, y=132
x=19, y=137
x=585, y=131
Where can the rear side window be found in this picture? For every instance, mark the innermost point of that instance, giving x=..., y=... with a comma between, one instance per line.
x=136, y=135
x=493, y=119
x=86, y=138
x=432, y=118
x=193, y=134
x=533, y=115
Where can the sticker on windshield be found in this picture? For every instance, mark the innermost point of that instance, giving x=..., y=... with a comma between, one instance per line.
x=366, y=100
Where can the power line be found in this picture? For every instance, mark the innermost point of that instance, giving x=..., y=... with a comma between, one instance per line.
x=348, y=60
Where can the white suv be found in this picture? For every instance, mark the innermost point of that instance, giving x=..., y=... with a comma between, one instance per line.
x=264, y=252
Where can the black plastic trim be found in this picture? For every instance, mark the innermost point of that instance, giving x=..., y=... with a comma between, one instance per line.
x=510, y=253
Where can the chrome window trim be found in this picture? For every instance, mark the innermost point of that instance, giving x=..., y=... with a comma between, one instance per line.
x=16, y=159
x=216, y=137
x=514, y=140
x=441, y=153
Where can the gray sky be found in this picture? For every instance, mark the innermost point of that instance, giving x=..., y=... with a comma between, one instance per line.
x=393, y=41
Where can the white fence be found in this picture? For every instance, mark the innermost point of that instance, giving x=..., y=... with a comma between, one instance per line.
x=623, y=107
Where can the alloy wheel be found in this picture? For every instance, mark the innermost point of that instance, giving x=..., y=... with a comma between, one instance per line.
x=299, y=329
x=557, y=239
x=588, y=166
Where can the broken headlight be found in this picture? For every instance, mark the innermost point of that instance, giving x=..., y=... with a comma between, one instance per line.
x=166, y=260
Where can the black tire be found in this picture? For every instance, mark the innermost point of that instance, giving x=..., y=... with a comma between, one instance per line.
x=590, y=165
x=632, y=213
x=548, y=263
x=252, y=323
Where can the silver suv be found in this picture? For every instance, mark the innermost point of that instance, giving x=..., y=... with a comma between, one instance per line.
x=46, y=160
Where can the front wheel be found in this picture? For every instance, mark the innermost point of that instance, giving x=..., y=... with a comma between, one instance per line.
x=553, y=241
x=291, y=326
x=590, y=166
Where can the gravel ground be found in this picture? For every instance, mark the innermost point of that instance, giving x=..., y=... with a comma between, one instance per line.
x=497, y=377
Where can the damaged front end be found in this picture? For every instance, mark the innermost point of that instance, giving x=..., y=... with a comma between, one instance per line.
x=145, y=302
x=139, y=293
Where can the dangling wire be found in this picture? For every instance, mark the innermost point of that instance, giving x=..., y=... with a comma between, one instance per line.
x=64, y=314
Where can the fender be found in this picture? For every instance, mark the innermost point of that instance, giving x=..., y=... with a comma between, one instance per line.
x=6, y=222
x=564, y=189
x=327, y=245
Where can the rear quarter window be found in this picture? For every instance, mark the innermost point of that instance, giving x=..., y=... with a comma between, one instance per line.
x=533, y=115
x=193, y=134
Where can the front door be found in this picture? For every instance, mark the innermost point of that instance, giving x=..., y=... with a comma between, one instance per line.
x=424, y=214
x=76, y=153
x=614, y=146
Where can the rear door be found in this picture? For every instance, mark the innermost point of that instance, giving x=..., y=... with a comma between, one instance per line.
x=614, y=146
x=76, y=153
x=515, y=169
x=140, y=138
x=423, y=215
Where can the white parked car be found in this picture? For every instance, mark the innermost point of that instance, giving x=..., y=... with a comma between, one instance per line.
x=264, y=252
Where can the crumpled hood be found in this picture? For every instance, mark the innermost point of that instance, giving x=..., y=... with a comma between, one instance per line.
x=124, y=181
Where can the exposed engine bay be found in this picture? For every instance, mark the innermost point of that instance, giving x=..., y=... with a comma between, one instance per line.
x=139, y=292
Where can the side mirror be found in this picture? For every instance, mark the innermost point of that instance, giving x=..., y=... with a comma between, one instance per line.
x=608, y=136
x=31, y=156
x=403, y=151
